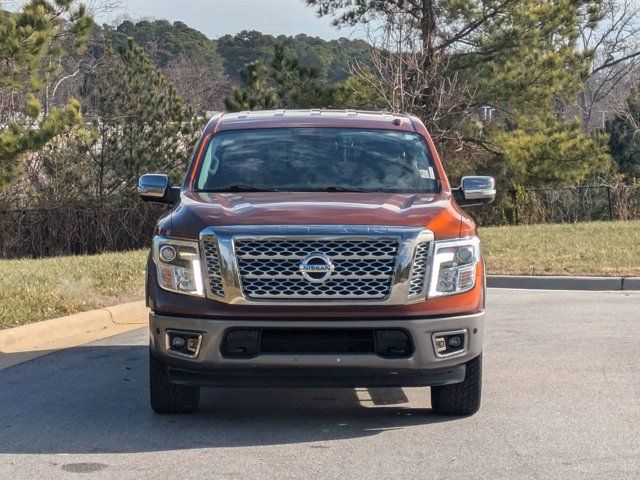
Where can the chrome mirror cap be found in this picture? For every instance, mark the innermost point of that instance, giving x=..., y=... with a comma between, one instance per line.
x=153, y=186
x=478, y=189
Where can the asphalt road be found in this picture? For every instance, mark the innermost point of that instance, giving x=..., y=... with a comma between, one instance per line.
x=561, y=400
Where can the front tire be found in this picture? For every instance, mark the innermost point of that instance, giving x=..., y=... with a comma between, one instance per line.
x=167, y=397
x=460, y=398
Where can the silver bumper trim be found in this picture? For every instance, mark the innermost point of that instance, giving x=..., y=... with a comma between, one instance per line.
x=420, y=329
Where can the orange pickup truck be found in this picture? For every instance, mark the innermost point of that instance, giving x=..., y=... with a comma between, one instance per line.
x=316, y=248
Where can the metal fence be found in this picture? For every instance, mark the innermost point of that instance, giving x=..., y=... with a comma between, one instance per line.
x=562, y=205
x=96, y=228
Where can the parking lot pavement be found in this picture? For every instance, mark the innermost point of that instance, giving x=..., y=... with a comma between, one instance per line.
x=561, y=399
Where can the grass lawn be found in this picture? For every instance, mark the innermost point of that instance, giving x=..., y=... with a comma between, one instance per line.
x=596, y=248
x=32, y=290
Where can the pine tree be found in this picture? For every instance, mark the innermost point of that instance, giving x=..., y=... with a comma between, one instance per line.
x=31, y=43
x=444, y=60
x=257, y=94
x=138, y=122
x=538, y=150
x=285, y=83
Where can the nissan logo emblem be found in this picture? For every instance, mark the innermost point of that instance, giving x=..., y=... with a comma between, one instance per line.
x=316, y=267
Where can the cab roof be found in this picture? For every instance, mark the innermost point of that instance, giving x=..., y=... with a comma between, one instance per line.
x=311, y=118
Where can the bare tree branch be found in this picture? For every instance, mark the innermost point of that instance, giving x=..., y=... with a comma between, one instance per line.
x=615, y=47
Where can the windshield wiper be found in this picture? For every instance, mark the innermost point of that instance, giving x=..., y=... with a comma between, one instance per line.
x=251, y=188
x=241, y=188
x=345, y=189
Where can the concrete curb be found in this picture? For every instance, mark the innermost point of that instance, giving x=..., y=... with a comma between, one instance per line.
x=26, y=342
x=564, y=283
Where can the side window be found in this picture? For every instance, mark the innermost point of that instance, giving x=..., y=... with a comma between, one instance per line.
x=210, y=164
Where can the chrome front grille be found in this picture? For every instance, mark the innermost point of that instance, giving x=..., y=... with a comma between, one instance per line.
x=418, y=275
x=311, y=264
x=213, y=268
x=289, y=269
x=270, y=269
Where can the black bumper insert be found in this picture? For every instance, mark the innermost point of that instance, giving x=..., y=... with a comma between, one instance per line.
x=249, y=342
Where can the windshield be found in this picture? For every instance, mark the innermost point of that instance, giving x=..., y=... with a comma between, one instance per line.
x=317, y=159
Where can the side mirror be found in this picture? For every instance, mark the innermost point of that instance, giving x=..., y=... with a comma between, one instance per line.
x=155, y=187
x=476, y=191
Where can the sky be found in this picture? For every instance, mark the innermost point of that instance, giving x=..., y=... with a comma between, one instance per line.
x=215, y=18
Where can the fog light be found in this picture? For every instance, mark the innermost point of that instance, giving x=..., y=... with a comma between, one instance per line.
x=183, y=343
x=450, y=344
x=178, y=342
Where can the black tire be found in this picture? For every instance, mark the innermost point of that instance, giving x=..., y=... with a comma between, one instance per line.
x=167, y=397
x=460, y=398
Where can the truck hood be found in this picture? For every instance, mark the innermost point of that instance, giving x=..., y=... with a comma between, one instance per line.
x=198, y=210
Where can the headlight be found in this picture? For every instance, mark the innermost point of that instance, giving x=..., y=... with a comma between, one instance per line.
x=178, y=265
x=454, y=266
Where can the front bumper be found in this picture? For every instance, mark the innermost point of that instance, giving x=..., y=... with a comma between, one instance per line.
x=422, y=368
